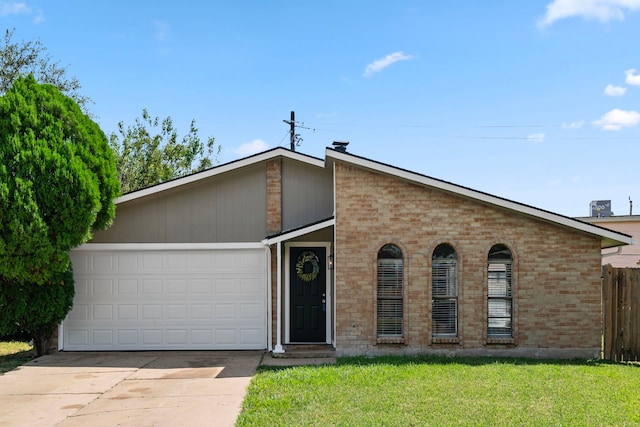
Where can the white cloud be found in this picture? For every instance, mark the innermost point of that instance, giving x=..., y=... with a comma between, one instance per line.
x=563, y=181
x=8, y=8
x=602, y=10
x=163, y=29
x=253, y=147
x=382, y=63
x=39, y=18
x=617, y=119
x=537, y=138
x=632, y=77
x=326, y=115
x=573, y=125
x=612, y=90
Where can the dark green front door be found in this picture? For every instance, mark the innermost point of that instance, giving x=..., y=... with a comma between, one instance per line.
x=308, y=308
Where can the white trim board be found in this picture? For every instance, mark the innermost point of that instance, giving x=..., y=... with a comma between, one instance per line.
x=287, y=289
x=217, y=170
x=299, y=232
x=609, y=238
x=166, y=246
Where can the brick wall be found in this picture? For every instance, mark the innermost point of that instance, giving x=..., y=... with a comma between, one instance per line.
x=556, y=271
x=274, y=225
x=274, y=195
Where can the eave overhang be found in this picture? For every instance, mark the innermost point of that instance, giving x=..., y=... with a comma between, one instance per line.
x=608, y=238
x=217, y=170
x=299, y=231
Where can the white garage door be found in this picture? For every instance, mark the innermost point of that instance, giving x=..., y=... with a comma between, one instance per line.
x=167, y=299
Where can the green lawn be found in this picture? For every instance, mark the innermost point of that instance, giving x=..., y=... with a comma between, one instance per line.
x=438, y=391
x=14, y=354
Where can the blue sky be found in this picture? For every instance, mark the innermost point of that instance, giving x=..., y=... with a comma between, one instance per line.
x=533, y=101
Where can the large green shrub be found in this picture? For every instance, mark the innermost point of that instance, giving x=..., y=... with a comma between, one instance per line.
x=57, y=180
x=57, y=184
x=36, y=308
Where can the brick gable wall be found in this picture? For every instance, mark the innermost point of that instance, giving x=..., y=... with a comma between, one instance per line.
x=557, y=311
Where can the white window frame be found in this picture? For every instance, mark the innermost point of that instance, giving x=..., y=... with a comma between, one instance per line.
x=396, y=301
x=500, y=297
x=445, y=270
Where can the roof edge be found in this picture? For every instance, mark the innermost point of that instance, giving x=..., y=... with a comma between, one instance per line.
x=299, y=231
x=609, y=238
x=217, y=170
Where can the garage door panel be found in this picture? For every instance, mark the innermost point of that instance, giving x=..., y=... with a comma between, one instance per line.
x=151, y=337
x=152, y=286
x=249, y=286
x=136, y=300
x=82, y=286
x=102, y=287
x=77, y=337
x=102, y=312
x=201, y=311
x=177, y=337
x=152, y=312
x=128, y=336
x=102, y=337
x=176, y=286
x=168, y=313
x=103, y=263
x=251, y=261
x=127, y=286
x=202, y=286
x=249, y=335
x=152, y=262
x=125, y=262
x=127, y=312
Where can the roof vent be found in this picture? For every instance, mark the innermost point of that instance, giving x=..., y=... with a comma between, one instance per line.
x=340, y=146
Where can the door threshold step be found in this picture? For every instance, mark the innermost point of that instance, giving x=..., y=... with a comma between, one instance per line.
x=306, y=351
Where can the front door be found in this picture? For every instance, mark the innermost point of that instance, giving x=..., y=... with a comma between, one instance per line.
x=308, y=282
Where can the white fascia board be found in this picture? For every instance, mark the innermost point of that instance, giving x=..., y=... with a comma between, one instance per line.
x=609, y=238
x=606, y=219
x=299, y=232
x=166, y=246
x=217, y=170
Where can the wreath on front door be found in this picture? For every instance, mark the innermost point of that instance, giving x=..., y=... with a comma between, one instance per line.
x=307, y=267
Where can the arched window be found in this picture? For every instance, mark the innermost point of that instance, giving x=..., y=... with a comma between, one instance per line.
x=444, y=291
x=500, y=292
x=390, y=291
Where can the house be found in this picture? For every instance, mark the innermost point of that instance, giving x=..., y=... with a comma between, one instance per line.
x=623, y=256
x=281, y=248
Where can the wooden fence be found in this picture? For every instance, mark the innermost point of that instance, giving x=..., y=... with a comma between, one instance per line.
x=621, y=311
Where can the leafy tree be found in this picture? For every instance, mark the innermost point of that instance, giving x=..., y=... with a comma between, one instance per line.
x=36, y=309
x=149, y=152
x=57, y=180
x=57, y=185
x=19, y=59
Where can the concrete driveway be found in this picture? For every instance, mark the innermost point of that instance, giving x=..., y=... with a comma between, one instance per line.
x=195, y=388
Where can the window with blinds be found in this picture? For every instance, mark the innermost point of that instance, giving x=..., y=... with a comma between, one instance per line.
x=390, y=292
x=500, y=293
x=444, y=291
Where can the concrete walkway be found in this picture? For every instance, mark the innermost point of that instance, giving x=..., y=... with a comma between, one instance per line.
x=128, y=389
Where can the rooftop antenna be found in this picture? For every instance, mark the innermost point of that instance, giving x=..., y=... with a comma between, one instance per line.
x=630, y=206
x=294, y=138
